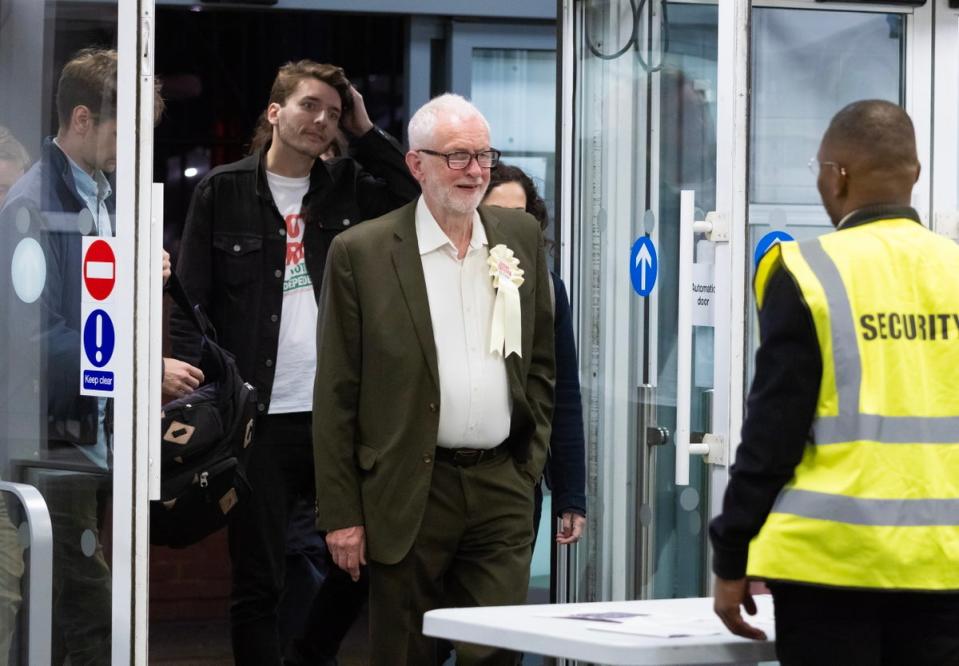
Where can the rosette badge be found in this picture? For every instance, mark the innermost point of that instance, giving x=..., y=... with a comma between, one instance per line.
x=506, y=332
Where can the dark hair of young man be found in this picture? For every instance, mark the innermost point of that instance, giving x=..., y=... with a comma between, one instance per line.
x=287, y=79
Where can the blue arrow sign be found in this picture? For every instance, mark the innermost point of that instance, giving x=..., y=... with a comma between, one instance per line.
x=643, y=265
x=767, y=241
x=99, y=338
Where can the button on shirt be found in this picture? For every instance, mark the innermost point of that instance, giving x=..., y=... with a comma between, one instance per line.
x=475, y=403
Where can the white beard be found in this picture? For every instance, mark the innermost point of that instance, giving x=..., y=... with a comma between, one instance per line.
x=453, y=201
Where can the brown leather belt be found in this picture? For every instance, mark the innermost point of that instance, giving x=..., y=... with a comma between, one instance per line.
x=468, y=457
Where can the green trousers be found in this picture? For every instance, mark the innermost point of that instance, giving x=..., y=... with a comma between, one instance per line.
x=473, y=549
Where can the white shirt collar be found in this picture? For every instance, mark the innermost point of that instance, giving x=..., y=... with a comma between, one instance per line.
x=430, y=237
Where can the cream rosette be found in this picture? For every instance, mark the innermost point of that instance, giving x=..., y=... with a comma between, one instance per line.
x=506, y=332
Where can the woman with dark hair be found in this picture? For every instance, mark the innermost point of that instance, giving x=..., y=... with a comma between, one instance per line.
x=565, y=474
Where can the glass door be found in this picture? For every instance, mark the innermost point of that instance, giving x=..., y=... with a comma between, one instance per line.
x=72, y=465
x=689, y=129
x=509, y=72
x=646, y=115
x=809, y=62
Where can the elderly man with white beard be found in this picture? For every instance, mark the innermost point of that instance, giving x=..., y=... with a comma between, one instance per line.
x=433, y=393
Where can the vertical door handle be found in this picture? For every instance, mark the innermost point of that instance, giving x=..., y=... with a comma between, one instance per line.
x=41, y=570
x=715, y=230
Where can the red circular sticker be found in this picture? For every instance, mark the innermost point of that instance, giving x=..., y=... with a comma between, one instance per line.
x=99, y=269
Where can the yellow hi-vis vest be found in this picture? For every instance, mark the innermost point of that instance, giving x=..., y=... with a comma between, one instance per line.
x=874, y=503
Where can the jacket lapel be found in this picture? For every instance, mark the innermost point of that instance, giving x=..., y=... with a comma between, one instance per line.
x=495, y=236
x=409, y=272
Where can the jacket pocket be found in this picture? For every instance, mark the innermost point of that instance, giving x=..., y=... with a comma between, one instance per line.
x=366, y=457
x=238, y=257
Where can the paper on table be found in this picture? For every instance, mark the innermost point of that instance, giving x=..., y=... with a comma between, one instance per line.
x=665, y=626
x=614, y=617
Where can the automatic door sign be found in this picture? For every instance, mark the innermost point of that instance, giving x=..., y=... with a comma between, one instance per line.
x=643, y=265
x=98, y=338
x=766, y=242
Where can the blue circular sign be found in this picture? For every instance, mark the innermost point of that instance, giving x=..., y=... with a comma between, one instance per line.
x=643, y=265
x=99, y=338
x=767, y=241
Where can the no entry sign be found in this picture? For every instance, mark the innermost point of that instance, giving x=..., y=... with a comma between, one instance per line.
x=98, y=312
x=99, y=269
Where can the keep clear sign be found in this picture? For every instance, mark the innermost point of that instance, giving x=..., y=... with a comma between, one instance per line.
x=97, y=332
x=704, y=286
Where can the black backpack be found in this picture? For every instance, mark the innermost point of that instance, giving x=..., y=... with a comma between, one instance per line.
x=206, y=438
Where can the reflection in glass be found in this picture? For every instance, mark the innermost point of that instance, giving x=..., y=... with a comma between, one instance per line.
x=51, y=436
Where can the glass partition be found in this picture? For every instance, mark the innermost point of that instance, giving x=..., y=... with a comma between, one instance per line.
x=63, y=334
x=645, y=115
x=806, y=65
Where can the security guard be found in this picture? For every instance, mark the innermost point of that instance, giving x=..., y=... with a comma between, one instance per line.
x=845, y=493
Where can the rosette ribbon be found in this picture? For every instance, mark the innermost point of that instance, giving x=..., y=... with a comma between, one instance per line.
x=506, y=332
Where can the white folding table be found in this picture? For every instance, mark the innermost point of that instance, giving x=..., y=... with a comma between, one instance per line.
x=540, y=630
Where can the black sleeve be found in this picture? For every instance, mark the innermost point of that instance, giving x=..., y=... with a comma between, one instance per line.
x=779, y=413
x=384, y=183
x=567, y=447
x=194, y=269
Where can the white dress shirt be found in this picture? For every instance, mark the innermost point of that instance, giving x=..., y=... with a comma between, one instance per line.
x=475, y=403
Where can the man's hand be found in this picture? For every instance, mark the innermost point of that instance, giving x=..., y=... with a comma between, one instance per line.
x=728, y=596
x=572, y=528
x=166, y=266
x=357, y=122
x=180, y=378
x=348, y=548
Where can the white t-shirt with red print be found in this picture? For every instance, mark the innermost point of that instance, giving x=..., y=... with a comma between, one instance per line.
x=296, y=353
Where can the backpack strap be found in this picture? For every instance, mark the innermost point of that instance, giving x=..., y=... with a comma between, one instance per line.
x=193, y=312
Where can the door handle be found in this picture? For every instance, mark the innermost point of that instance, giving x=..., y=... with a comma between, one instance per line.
x=41, y=569
x=717, y=231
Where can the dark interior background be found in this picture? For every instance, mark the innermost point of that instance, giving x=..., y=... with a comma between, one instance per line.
x=217, y=68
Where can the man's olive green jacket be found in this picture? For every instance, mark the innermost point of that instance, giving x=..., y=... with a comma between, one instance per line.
x=376, y=403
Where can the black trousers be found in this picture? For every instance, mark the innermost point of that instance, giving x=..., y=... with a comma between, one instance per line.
x=821, y=626
x=280, y=470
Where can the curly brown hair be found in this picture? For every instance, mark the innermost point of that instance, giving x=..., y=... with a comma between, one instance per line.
x=502, y=174
x=288, y=77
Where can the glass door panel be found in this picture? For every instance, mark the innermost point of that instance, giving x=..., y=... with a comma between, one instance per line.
x=806, y=65
x=509, y=73
x=644, y=151
x=67, y=220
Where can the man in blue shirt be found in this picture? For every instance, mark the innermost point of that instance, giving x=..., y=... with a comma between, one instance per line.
x=66, y=437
